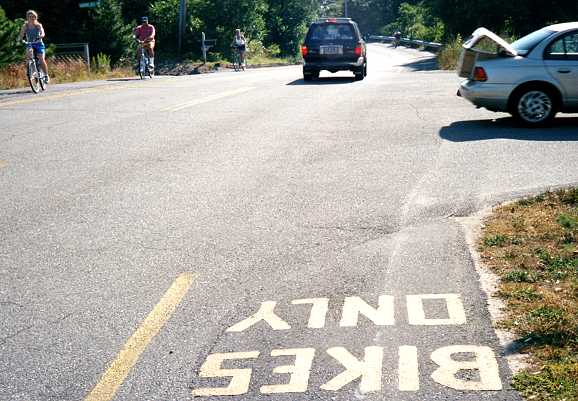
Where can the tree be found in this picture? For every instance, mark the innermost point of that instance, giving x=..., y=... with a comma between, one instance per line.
x=369, y=14
x=63, y=20
x=164, y=15
x=108, y=32
x=222, y=17
x=287, y=23
x=133, y=10
x=9, y=51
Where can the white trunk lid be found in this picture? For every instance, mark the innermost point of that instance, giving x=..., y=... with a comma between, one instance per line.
x=470, y=54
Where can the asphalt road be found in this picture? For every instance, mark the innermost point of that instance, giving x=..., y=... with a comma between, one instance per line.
x=300, y=235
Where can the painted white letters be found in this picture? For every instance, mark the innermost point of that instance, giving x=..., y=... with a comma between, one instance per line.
x=299, y=372
x=369, y=369
x=382, y=316
x=265, y=313
x=484, y=362
x=241, y=378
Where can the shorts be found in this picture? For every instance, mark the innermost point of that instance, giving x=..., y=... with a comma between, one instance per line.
x=38, y=48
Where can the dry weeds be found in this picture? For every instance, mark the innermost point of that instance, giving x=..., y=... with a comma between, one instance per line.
x=14, y=76
x=532, y=246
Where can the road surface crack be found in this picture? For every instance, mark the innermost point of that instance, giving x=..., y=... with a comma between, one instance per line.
x=5, y=340
x=377, y=229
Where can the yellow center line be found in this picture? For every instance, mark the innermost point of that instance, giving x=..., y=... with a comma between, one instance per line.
x=119, y=369
x=207, y=99
x=77, y=92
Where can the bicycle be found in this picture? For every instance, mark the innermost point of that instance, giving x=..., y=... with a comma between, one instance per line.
x=238, y=64
x=36, y=77
x=144, y=69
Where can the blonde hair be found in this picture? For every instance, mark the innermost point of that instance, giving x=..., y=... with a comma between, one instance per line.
x=31, y=12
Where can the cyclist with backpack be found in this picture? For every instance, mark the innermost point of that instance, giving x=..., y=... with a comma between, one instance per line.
x=240, y=45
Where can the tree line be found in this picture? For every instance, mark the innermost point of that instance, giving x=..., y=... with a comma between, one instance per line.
x=275, y=25
x=443, y=20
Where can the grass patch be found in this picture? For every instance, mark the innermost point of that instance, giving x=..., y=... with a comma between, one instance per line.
x=532, y=246
x=555, y=382
x=495, y=240
x=268, y=60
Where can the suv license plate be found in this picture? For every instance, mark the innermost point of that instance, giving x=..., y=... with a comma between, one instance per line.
x=331, y=50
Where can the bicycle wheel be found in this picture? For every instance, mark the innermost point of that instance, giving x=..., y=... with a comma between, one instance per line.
x=236, y=60
x=41, y=77
x=33, y=76
x=149, y=69
x=141, y=67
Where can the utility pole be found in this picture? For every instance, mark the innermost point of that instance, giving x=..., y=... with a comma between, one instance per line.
x=346, y=9
x=182, y=23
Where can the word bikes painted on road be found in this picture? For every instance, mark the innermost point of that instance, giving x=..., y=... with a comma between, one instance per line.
x=367, y=369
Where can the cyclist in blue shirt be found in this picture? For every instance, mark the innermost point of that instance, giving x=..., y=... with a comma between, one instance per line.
x=33, y=32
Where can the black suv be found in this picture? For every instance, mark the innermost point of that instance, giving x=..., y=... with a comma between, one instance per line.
x=334, y=44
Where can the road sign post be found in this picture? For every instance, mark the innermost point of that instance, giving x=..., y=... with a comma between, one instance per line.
x=206, y=44
x=182, y=23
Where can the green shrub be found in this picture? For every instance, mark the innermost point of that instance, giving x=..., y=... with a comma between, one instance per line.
x=10, y=52
x=519, y=276
x=496, y=240
x=568, y=221
x=101, y=64
x=449, y=55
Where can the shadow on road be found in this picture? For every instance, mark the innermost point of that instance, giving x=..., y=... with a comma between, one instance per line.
x=427, y=64
x=562, y=129
x=15, y=92
x=124, y=79
x=324, y=81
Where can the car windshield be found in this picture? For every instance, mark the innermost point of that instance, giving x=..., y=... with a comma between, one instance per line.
x=322, y=32
x=524, y=45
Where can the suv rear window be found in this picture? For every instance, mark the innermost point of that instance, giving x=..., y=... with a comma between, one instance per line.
x=323, y=32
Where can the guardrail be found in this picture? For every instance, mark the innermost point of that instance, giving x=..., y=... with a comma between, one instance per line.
x=430, y=46
x=73, y=52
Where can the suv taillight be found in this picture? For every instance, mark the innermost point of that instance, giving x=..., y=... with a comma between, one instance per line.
x=358, y=50
x=304, y=50
x=480, y=74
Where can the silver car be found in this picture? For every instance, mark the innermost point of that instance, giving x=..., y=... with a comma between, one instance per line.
x=533, y=78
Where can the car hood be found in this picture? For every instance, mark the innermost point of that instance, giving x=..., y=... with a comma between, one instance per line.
x=482, y=33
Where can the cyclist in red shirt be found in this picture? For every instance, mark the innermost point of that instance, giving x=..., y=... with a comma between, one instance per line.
x=145, y=34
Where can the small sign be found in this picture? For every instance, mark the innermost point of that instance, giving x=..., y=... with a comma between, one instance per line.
x=89, y=4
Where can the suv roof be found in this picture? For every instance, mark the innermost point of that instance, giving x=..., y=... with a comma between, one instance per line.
x=333, y=19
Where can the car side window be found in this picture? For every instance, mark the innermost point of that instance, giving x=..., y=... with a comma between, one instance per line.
x=571, y=42
x=563, y=48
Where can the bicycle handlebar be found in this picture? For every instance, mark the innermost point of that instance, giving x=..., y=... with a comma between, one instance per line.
x=31, y=43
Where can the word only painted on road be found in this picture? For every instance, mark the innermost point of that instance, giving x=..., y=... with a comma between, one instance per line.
x=452, y=361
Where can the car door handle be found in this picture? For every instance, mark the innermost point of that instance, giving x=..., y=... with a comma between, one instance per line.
x=564, y=71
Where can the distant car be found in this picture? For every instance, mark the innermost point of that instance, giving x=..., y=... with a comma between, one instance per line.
x=533, y=78
x=334, y=44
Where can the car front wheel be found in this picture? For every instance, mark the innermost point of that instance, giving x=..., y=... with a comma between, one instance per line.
x=534, y=107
